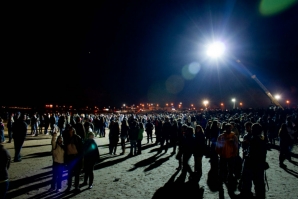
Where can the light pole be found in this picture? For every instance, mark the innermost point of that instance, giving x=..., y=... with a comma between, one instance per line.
x=205, y=102
x=217, y=49
x=234, y=101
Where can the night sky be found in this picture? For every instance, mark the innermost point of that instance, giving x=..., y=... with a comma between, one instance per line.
x=132, y=52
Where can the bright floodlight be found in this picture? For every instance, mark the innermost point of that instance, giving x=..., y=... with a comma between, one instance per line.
x=277, y=97
x=233, y=100
x=216, y=49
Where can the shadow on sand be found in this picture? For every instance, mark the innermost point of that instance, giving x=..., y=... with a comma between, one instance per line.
x=179, y=189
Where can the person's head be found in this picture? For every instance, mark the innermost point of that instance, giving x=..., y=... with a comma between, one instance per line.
x=214, y=124
x=189, y=131
x=256, y=129
x=184, y=127
x=78, y=119
x=71, y=131
x=199, y=129
x=60, y=139
x=228, y=128
x=91, y=135
x=248, y=126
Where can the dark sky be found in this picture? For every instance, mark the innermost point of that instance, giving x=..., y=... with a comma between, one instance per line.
x=132, y=52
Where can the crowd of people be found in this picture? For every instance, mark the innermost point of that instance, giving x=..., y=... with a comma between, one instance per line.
x=219, y=135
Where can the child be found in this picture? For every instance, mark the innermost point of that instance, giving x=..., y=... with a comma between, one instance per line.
x=58, y=161
x=91, y=156
x=140, y=138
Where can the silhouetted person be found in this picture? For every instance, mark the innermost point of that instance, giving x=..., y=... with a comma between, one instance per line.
x=58, y=162
x=113, y=136
x=73, y=156
x=91, y=157
x=19, y=135
x=149, y=128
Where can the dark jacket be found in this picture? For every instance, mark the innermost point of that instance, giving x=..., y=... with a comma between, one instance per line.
x=200, y=147
x=91, y=153
x=257, y=151
x=19, y=129
x=80, y=130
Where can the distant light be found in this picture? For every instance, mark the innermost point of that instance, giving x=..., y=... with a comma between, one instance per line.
x=277, y=97
x=216, y=49
x=233, y=100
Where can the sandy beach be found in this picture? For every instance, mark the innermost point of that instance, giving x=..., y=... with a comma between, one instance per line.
x=149, y=175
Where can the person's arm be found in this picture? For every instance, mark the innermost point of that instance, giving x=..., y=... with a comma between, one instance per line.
x=8, y=158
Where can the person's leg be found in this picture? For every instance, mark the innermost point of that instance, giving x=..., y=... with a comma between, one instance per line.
x=69, y=175
x=186, y=167
x=3, y=189
x=86, y=169
x=54, y=179
x=77, y=171
x=139, y=144
x=147, y=132
x=135, y=147
x=115, y=147
x=9, y=135
x=258, y=176
x=246, y=179
x=60, y=175
x=91, y=174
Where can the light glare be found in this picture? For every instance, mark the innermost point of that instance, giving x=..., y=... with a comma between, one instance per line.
x=216, y=49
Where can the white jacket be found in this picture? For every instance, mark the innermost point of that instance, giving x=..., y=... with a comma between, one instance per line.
x=57, y=152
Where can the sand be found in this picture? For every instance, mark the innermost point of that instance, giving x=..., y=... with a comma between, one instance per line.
x=149, y=175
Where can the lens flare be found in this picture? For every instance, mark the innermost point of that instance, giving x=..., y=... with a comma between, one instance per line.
x=174, y=84
x=216, y=49
x=271, y=7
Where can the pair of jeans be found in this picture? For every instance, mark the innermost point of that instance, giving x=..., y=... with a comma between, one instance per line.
x=133, y=147
x=226, y=168
x=2, y=137
x=74, y=164
x=89, y=167
x=58, y=169
x=3, y=189
x=18, y=143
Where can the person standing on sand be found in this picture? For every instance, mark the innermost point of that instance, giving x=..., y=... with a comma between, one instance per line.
x=10, y=121
x=113, y=136
x=58, y=161
x=4, y=166
x=123, y=135
x=73, y=156
x=91, y=157
x=19, y=129
x=140, y=138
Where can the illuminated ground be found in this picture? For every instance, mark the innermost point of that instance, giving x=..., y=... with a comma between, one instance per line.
x=149, y=175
